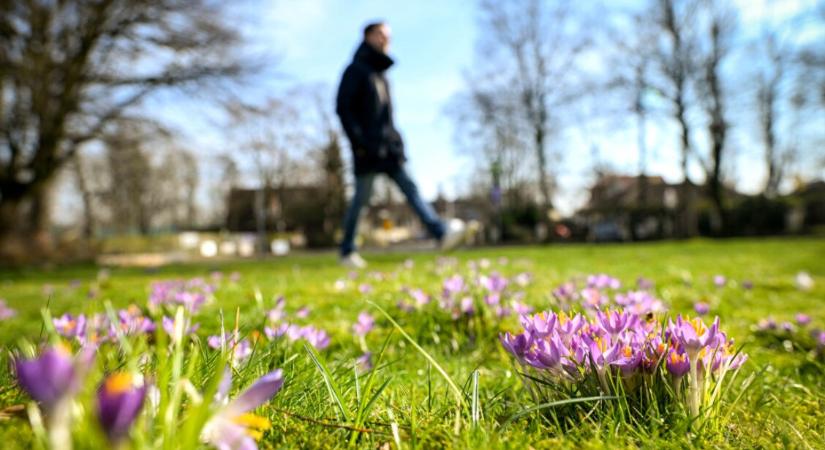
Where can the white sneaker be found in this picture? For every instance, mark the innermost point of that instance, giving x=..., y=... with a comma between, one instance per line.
x=454, y=236
x=353, y=261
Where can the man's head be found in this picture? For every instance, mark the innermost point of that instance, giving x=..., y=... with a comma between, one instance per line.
x=377, y=34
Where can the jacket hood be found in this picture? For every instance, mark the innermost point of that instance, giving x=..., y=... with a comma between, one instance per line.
x=377, y=60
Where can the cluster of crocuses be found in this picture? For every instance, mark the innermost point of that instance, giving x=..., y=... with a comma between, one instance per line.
x=619, y=345
x=798, y=334
x=95, y=329
x=462, y=298
x=191, y=294
x=601, y=291
x=277, y=327
x=54, y=378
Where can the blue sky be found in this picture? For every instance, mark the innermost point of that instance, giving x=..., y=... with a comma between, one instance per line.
x=433, y=44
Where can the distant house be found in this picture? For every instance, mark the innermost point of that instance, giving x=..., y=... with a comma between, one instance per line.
x=809, y=210
x=312, y=211
x=623, y=207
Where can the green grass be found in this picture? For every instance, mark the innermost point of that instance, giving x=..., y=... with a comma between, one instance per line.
x=445, y=391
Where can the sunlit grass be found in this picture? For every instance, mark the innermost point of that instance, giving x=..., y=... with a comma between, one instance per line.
x=431, y=387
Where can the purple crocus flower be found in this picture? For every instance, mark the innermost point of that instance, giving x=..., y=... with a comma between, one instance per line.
x=539, y=325
x=233, y=427
x=521, y=308
x=69, y=326
x=544, y=354
x=168, y=325
x=365, y=288
x=629, y=358
x=52, y=376
x=693, y=334
x=276, y=332
x=644, y=284
x=603, y=281
x=720, y=281
x=803, y=319
x=602, y=350
x=594, y=298
x=747, y=285
x=5, y=311
x=119, y=402
x=316, y=337
x=566, y=292
x=364, y=362
x=132, y=322
x=677, y=363
x=420, y=297
x=493, y=283
x=766, y=324
x=239, y=348
x=501, y=311
x=453, y=285
x=364, y=324
x=517, y=345
x=468, y=306
x=701, y=308
x=615, y=322
x=493, y=298
x=302, y=313
x=192, y=294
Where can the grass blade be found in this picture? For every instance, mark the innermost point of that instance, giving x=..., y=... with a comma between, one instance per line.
x=456, y=391
x=328, y=380
x=568, y=401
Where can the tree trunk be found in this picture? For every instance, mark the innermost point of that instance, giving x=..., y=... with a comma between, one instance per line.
x=687, y=207
x=10, y=244
x=24, y=222
x=38, y=221
x=86, y=197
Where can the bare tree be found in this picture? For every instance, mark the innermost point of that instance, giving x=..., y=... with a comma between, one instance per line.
x=771, y=95
x=86, y=196
x=720, y=24
x=488, y=128
x=674, y=70
x=534, y=47
x=68, y=69
x=129, y=197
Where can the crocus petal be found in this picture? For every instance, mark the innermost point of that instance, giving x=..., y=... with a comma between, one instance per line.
x=259, y=393
x=118, y=411
x=47, y=378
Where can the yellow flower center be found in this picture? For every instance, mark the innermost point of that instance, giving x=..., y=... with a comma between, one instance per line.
x=254, y=425
x=63, y=348
x=118, y=383
x=698, y=326
x=628, y=351
x=676, y=358
x=601, y=344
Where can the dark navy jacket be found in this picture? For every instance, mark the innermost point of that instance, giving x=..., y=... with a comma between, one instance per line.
x=365, y=109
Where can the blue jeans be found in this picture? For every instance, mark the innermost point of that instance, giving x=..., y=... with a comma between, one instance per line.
x=363, y=190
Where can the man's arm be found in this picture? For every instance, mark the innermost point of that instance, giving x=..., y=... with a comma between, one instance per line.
x=345, y=106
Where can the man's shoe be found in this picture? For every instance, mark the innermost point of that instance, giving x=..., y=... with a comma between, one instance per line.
x=454, y=236
x=353, y=261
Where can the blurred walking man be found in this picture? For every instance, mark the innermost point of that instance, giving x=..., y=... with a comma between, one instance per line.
x=365, y=109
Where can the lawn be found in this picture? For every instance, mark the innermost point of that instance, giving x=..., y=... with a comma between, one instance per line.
x=480, y=401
